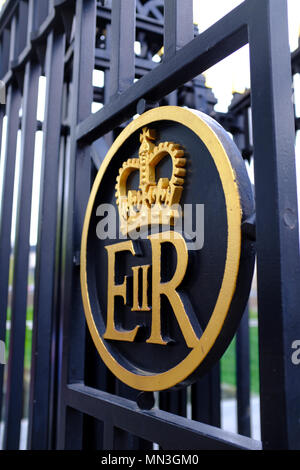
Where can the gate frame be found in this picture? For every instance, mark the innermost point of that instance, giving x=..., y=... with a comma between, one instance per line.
x=67, y=408
x=262, y=23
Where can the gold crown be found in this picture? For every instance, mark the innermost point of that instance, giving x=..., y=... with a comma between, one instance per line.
x=153, y=201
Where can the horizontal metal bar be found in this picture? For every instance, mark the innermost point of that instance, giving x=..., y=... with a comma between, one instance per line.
x=102, y=61
x=143, y=23
x=213, y=45
x=155, y=425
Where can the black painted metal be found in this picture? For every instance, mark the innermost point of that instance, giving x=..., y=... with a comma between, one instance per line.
x=156, y=426
x=2, y=113
x=206, y=398
x=122, y=52
x=14, y=400
x=277, y=225
x=179, y=26
x=77, y=181
x=12, y=108
x=174, y=402
x=243, y=376
x=45, y=264
x=216, y=43
x=41, y=36
x=13, y=101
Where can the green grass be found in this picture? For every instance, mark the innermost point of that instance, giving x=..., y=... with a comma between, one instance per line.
x=228, y=364
x=253, y=314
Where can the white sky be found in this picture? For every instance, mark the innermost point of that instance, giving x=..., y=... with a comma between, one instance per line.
x=231, y=74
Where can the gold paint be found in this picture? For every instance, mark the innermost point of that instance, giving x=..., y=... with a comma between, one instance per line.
x=114, y=290
x=152, y=202
x=158, y=289
x=200, y=124
x=169, y=288
x=161, y=51
x=136, y=307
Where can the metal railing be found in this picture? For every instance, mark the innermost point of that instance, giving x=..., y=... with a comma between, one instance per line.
x=65, y=41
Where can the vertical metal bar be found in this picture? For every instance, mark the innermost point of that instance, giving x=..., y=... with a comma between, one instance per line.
x=122, y=46
x=109, y=436
x=242, y=348
x=12, y=45
x=14, y=397
x=206, y=398
x=178, y=30
x=277, y=223
x=41, y=9
x=96, y=373
x=53, y=394
x=5, y=41
x=73, y=438
x=98, y=376
x=22, y=25
x=45, y=264
x=123, y=439
x=9, y=46
x=247, y=131
x=2, y=113
x=173, y=402
x=108, y=137
x=13, y=102
x=179, y=26
x=77, y=184
x=239, y=136
x=120, y=43
x=12, y=108
x=31, y=19
x=243, y=376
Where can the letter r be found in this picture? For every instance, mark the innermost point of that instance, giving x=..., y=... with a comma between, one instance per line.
x=169, y=288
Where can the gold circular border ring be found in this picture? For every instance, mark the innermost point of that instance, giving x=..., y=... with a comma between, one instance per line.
x=195, y=121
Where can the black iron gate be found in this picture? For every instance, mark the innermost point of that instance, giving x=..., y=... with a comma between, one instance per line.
x=74, y=400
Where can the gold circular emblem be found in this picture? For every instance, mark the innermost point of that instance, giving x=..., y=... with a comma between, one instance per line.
x=219, y=146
